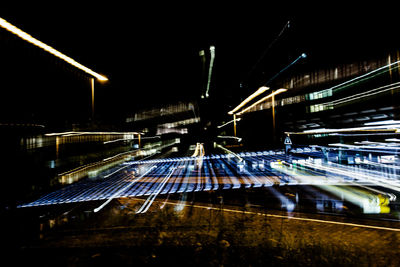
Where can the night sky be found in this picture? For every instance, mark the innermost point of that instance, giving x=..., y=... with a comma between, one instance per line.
x=149, y=51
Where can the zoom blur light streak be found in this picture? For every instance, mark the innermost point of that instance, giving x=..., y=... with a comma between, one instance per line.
x=332, y=179
x=363, y=77
x=358, y=184
x=23, y=35
x=369, y=93
x=389, y=127
x=212, y=51
x=262, y=100
x=259, y=91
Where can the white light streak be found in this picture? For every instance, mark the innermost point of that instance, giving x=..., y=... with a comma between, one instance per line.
x=230, y=137
x=390, y=127
x=382, y=122
x=116, y=140
x=212, y=51
x=119, y=192
x=392, y=140
x=155, y=193
x=230, y=152
x=372, y=92
x=364, y=75
x=72, y=133
x=223, y=125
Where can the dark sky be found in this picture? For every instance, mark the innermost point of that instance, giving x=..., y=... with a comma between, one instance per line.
x=149, y=51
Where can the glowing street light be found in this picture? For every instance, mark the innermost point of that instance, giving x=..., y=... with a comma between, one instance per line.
x=23, y=35
x=259, y=91
x=271, y=95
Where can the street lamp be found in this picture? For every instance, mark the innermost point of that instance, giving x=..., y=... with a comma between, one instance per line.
x=92, y=90
x=272, y=96
x=27, y=37
x=259, y=91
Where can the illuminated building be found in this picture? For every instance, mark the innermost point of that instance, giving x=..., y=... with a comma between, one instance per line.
x=336, y=96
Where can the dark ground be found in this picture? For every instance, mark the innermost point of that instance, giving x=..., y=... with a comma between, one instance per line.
x=201, y=236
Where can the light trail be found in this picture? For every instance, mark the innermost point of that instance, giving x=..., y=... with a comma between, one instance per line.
x=120, y=169
x=230, y=152
x=230, y=137
x=114, y=172
x=224, y=172
x=118, y=193
x=290, y=217
x=212, y=51
x=371, y=92
x=281, y=90
x=259, y=91
x=226, y=123
x=23, y=35
x=116, y=140
x=351, y=81
x=153, y=195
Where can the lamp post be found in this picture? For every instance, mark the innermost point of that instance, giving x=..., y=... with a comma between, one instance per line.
x=92, y=87
x=234, y=125
x=273, y=117
x=92, y=80
x=272, y=96
x=27, y=37
x=259, y=91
